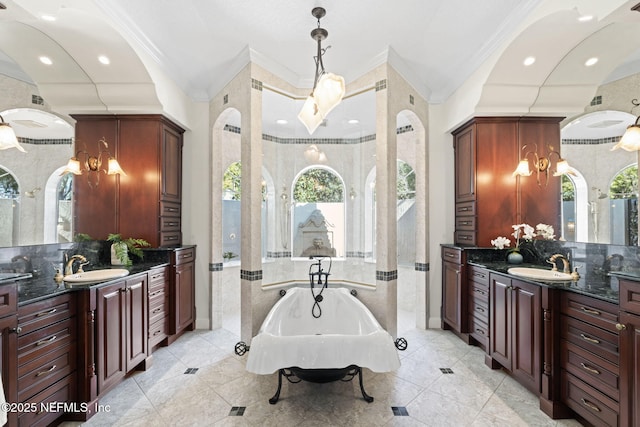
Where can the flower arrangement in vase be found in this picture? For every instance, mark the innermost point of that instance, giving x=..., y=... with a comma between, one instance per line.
x=522, y=232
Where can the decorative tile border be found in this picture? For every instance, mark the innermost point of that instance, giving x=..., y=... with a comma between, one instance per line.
x=386, y=276
x=232, y=129
x=215, y=266
x=256, y=84
x=251, y=275
x=380, y=85
x=596, y=141
x=281, y=254
x=306, y=141
x=45, y=141
x=420, y=266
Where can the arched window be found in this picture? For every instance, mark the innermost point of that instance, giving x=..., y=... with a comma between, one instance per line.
x=231, y=205
x=318, y=213
x=406, y=213
x=623, y=193
x=569, y=222
x=9, y=192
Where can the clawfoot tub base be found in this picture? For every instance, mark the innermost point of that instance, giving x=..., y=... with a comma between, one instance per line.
x=295, y=375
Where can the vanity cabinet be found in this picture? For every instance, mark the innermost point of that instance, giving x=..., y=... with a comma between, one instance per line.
x=478, y=314
x=122, y=329
x=9, y=344
x=158, y=304
x=182, y=292
x=47, y=357
x=454, y=291
x=146, y=203
x=590, y=375
x=488, y=199
x=515, y=329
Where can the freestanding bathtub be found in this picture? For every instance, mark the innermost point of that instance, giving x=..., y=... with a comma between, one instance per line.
x=343, y=339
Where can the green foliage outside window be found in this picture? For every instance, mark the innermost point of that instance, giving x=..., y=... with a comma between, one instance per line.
x=406, y=181
x=318, y=185
x=231, y=181
x=8, y=185
x=625, y=184
x=568, y=189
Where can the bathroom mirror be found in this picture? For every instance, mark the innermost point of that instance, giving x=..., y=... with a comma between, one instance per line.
x=600, y=201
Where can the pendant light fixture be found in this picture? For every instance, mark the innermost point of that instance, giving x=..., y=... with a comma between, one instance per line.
x=328, y=88
x=630, y=141
x=8, y=137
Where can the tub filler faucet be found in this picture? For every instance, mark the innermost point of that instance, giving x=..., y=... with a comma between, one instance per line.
x=316, y=274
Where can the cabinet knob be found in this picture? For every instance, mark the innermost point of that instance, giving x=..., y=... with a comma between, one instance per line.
x=16, y=330
x=621, y=327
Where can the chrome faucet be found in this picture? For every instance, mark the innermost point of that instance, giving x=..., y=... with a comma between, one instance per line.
x=565, y=263
x=69, y=267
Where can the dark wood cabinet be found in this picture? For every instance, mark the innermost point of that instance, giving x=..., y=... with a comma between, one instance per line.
x=454, y=291
x=629, y=327
x=146, y=202
x=478, y=314
x=182, y=292
x=158, y=304
x=515, y=329
x=488, y=199
x=121, y=329
x=9, y=345
x=47, y=356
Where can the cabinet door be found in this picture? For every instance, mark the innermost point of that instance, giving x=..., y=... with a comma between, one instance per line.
x=465, y=165
x=500, y=320
x=136, y=321
x=452, y=307
x=629, y=369
x=111, y=345
x=9, y=363
x=526, y=321
x=185, y=298
x=171, y=165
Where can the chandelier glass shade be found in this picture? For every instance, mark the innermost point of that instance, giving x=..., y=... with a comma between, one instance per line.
x=8, y=138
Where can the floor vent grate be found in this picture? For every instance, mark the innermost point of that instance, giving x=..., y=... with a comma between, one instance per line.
x=446, y=370
x=237, y=411
x=191, y=370
x=399, y=411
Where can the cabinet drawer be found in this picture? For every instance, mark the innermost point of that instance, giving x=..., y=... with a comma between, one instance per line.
x=36, y=344
x=465, y=237
x=467, y=223
x=172, y=238
x=479, y=330
x=8, y=298
x=452, y=255
x=185, y=255
x=598, y=341
x=158, y=311
x=170, y=209
x=466, y=209
x=157, y=294
x=37, y=375
x=594, y=406
x=40, y=314
x=593, y=311
x=63, y=391
x=479, y=309
x=600, y=373
x=158, y=331
x=158, y=277
x=630, y=296
x=478, y=292
x=478, y=275
x=170, y=223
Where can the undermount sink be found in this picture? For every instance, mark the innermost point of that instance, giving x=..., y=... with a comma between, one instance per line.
x=539, y=273
x=96, y=276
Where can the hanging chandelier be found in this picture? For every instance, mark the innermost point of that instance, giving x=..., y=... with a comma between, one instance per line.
x=328, y=88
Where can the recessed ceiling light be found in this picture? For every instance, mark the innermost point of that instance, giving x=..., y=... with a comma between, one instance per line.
x=46, y=60
x=529, y=60
x=282, y=121
x=353, y=121
x=50, y=18
x=591, y=61
x=585, y=18
x=104, y=59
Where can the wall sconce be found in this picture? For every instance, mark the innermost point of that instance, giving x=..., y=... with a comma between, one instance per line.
x=93, y=164
x=8, y=138
x=630, y=141
x=328, y=88
x=314, y=155
x=542, y=164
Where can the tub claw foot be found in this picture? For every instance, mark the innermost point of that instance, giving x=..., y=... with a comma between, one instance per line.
x=366, y=397
x=276, y=396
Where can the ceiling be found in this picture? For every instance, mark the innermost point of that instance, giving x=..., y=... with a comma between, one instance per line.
x=436, y=45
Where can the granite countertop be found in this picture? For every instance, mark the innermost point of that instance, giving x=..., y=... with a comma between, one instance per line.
x=601, y=286
x=33, y=288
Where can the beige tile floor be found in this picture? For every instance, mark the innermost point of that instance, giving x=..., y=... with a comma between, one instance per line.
x=473, y=395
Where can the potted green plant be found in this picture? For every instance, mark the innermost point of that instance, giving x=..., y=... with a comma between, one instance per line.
x=120, y=249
